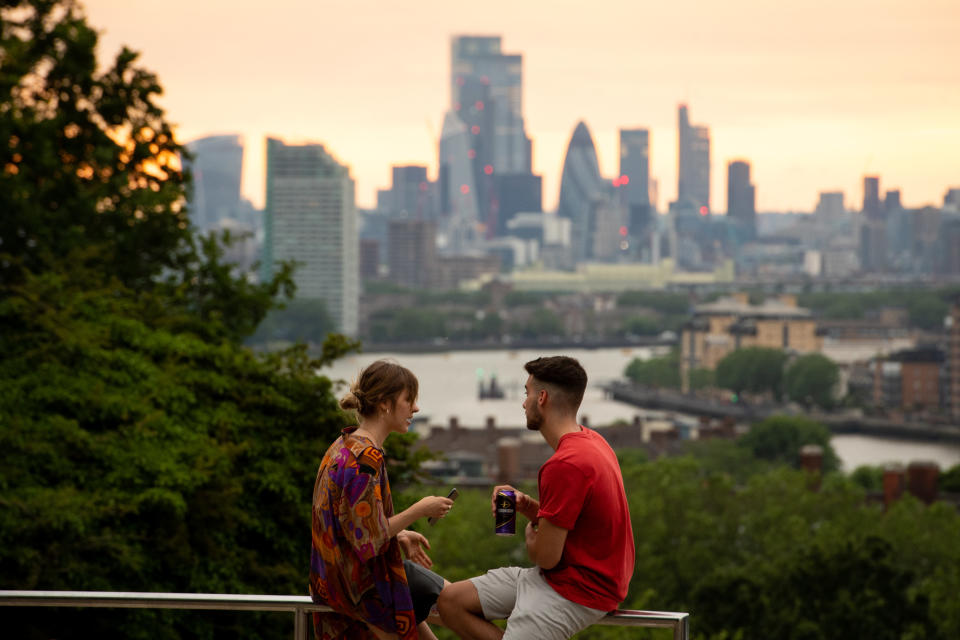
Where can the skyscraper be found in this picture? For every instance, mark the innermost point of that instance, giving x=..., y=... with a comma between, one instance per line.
x=635, y=178
x=873, y=228
x=693, y=170
x=741, y=196
x=217, y=167
x=580, y=188
x=458, y=200
x=486, y=93
x=311, y=218
x=486, y=88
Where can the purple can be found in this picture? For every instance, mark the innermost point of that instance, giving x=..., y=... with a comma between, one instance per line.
x=506, y=519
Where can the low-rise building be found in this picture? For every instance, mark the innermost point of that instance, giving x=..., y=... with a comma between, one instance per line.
x=721, y=327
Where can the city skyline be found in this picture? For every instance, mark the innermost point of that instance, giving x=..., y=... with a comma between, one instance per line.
x=813, y=96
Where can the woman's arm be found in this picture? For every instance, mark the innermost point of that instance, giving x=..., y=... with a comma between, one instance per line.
x=431, y=506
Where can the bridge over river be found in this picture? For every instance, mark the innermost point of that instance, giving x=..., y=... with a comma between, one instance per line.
x=837, y=422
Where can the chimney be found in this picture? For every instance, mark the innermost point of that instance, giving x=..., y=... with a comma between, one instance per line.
x=508, y=459
x=811, y=461
x=922, y=477
x=893, y=481
x=454, y=423
x=491, y=424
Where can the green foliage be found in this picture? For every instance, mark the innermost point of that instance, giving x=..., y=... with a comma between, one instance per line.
x=542, y=323
x=753, y=369
x=850, y=589
x=812, y=380
x=702, y=379
x=300, y=320
x=869, y=477
x=926, y=307
x=950, y=480
x=656, y=372
x=143, y=459
x=145, y=449
x=666, y=303
x=780, y=438
x=86, y=158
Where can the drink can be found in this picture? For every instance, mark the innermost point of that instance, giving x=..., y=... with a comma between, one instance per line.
x=506, y=519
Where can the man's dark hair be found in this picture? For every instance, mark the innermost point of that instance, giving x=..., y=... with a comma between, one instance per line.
x=562, y=372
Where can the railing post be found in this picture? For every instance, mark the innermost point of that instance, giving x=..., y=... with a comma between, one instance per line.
x=301, y=625
x=681, y=631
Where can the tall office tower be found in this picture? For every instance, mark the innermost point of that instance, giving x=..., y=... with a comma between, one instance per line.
x=486, y=92
x=741, y=196
x=410, y=193
x=311, y=218
x=580, y=188
x=458, y=194
x=871, y=198
x=830, y=205
x=873, y=229
x=217, y=167
x=412, y=253
x=635, y=180
x=693, y=170
x=516, y=193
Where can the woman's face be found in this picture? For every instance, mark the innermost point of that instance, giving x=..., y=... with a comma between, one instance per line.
x=402, y=413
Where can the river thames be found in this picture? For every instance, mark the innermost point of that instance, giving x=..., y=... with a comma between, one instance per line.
x=449, y=387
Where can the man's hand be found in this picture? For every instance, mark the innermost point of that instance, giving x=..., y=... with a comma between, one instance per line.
x=412, y=544
x=525, y=504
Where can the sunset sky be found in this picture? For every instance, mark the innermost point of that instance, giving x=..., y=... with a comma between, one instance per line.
x=813, y=94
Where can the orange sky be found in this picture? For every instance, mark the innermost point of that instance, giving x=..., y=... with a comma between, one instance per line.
x=814, y=94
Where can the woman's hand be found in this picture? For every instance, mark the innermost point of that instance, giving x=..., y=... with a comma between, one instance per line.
x=434, y=506
x=412, y=544
x=429, y=507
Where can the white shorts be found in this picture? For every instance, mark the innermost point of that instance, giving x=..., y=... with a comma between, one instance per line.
x=530, y=605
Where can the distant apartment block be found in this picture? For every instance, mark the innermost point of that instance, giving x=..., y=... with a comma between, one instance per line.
x=912, y=379
x=311, y=219
x=719, y=328
x=412, y=253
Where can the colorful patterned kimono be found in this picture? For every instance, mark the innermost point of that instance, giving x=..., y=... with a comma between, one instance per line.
x=355, y=567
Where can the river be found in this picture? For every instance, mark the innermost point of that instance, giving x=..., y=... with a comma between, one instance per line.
x=449, y=382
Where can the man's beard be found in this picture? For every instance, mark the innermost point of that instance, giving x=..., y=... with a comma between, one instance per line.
x=534, y=420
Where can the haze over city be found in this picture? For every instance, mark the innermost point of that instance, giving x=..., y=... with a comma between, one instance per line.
x=813, y=95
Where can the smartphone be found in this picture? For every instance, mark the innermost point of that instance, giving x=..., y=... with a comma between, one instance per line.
x=453, y=495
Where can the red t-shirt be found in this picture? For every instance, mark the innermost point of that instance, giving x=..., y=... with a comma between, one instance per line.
x=581, y=490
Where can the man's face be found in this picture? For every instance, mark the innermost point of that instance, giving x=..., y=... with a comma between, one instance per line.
x=530, y=405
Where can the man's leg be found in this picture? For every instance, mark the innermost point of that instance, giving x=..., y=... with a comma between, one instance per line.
x=461, y=612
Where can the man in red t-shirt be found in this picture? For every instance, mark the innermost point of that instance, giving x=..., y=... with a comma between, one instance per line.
x=579, y=535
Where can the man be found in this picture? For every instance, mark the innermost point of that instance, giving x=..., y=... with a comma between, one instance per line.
x=579, y=536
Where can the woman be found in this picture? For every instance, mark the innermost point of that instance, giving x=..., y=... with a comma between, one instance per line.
x=355, y=561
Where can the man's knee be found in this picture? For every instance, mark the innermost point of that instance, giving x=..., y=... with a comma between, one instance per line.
x=458, y=596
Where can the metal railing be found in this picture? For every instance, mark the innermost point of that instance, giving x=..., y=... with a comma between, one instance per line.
x=300, y=606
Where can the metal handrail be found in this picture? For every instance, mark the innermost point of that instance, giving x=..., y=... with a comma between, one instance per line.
x=300, y=606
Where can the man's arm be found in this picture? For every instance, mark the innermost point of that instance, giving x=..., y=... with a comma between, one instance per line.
x=545, y=543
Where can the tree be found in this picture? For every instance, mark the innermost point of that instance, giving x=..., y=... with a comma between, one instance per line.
x=656, y=372
x=300, y=320
x=780, y=438
x=812, y=380
x=86, y=158
x=753, y=369
x=144, y=459
x=145, y=448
